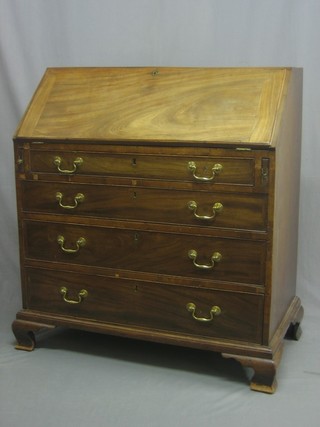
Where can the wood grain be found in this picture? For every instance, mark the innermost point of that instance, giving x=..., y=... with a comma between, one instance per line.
x=136, y=131
x=159, y=253
x=173, y=104
x=147, y=304
x=239, y=211
x=169, y=167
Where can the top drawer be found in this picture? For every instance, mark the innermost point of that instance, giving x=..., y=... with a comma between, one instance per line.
x=201, y=169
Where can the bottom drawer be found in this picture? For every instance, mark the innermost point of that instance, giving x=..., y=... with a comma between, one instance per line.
x=201, y=312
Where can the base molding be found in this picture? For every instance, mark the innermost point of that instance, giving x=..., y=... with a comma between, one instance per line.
x=263, y=359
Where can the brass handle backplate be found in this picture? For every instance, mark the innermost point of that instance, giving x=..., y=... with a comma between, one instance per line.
x=81, y=295
x=77, y=199
x=214, y=311
x=216, y=169
x=217, y=207
x=76, y=163
x=79, y=243
x=216, y=257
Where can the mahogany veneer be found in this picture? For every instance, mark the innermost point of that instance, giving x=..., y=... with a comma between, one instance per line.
x=162, y=204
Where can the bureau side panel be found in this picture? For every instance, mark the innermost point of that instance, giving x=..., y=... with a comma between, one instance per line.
x=21, y=164
x=286, y=203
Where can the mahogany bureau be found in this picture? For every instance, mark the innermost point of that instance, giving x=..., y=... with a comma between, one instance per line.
x=162, y=204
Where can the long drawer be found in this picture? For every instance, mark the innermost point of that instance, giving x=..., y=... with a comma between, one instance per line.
x=185, y=310
x=223, y=259
x=230, y=210
x=211, y=170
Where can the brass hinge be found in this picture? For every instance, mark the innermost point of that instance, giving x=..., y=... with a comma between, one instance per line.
x=264, y=171
x=19, y=160
x=243, y=149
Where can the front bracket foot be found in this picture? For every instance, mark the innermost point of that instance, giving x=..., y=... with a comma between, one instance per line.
x=264, y=377
x=24, y=332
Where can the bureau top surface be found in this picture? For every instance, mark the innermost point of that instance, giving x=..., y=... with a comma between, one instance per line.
x=219, y=105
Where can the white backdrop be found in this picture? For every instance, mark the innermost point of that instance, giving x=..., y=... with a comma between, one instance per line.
x=35, y=34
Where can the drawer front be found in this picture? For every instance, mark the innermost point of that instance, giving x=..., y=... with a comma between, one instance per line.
x=186, y=310
x=223, y=259
x=209, y=170
x=227, y=210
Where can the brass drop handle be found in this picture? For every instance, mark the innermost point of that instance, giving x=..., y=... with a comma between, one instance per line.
x=81, y=295
x=77, y=199
x=216, y=257
x=216, y=169
x=76, y=163
x=217, y=207
x=79, y=243
x=215, y=311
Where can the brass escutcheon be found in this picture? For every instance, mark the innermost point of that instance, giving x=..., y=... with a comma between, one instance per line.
x=77, y=199
x=214, y=311
x=76, y=163
x=216, y=257
x=81, y=295
x=217, y=207
x=79, y=243
x=216, y=169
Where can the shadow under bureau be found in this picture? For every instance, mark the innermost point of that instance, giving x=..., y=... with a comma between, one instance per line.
x=162, y=204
